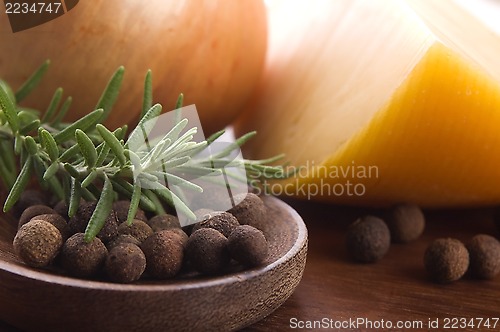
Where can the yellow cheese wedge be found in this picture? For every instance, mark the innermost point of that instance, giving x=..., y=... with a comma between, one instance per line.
x=380, y=102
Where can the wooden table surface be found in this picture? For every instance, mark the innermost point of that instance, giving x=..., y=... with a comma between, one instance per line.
x=396, y=288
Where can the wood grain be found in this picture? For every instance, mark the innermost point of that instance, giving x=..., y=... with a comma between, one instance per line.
x=397, y=287
x=35, y=300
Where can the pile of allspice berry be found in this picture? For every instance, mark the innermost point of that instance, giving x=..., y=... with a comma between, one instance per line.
x=149, y=248
x=445, y=259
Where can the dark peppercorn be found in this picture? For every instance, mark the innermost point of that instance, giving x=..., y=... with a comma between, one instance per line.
x=248, y=245
x=163, y=222
x=484, y=255
x=29, y=198
x=182, y=235
x=223, y=222
x=250, y=210
x=138, y=229
x=125, y=263
x=368, y=239
x=121, y=239
x=34, y=211
x=57, y=221
x=37, y=243
x=121, y=209
x=164, y=253
x=80, y=220
x=82, y=259
x=61, y=209
x=406, y=223
x=207, y=251
x=446, y=260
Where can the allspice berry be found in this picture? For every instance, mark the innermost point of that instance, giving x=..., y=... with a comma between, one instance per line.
x=138, y=229
x=121, y=209
x=29, y=197
x=122, y=239
x=164, y=253
x=34, y=211
x=61, y=209
x=406, y=223
x=37, y=243
x=207, y=251
x=223, y=222
x=368, y=239
x=163, y=221
x=250, y=210
x=484, y=256
x=248, y=245
x=78, y=223
x=446, y=260
x=125, y=263
x=57, y=221
x=83, y=259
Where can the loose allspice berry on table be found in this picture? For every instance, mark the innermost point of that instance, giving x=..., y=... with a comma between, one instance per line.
x=406, y=222
x=446, y=260
x=368, y=239
x=484, y=254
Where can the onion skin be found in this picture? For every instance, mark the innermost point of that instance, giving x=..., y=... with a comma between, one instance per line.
x=211, y=50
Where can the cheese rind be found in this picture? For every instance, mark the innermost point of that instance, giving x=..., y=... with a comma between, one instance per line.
x=427, y=124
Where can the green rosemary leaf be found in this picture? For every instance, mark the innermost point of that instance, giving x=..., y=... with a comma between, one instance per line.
x=29, y=127
x=8, y=90
x=62, y=112
x=236, y=144
x=18, y=144
x=70, y=153
x=199, y=170
x=178, y=110
x=147, y=100
x=19, y=185
x=175, y=162
x=123, y=133
x=101, y=212
x=7, y=155
x=83, y=124
x=51, y=171
x=56, y=99
x=169, y=197
x=145, y=125
x=89, y=179
x=153, y=198
x=56, y=187
x=7, y=176
x=215, y=136
x=30, y=145
x=9, y=110
x=110, y=94
x=74, y=198
x=134, y=204
x=49, y=144
x=113, y=143
x=39, y=169
x=87, y=195
x=103, y=154
x=87, y=148
x=127, y=189
x=172, y=179
x=32, y=82
x=72, y=170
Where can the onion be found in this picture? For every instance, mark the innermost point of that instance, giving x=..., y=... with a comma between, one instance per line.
x=212, y=51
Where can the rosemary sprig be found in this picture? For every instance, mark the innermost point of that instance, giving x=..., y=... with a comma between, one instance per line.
x=85, y=159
